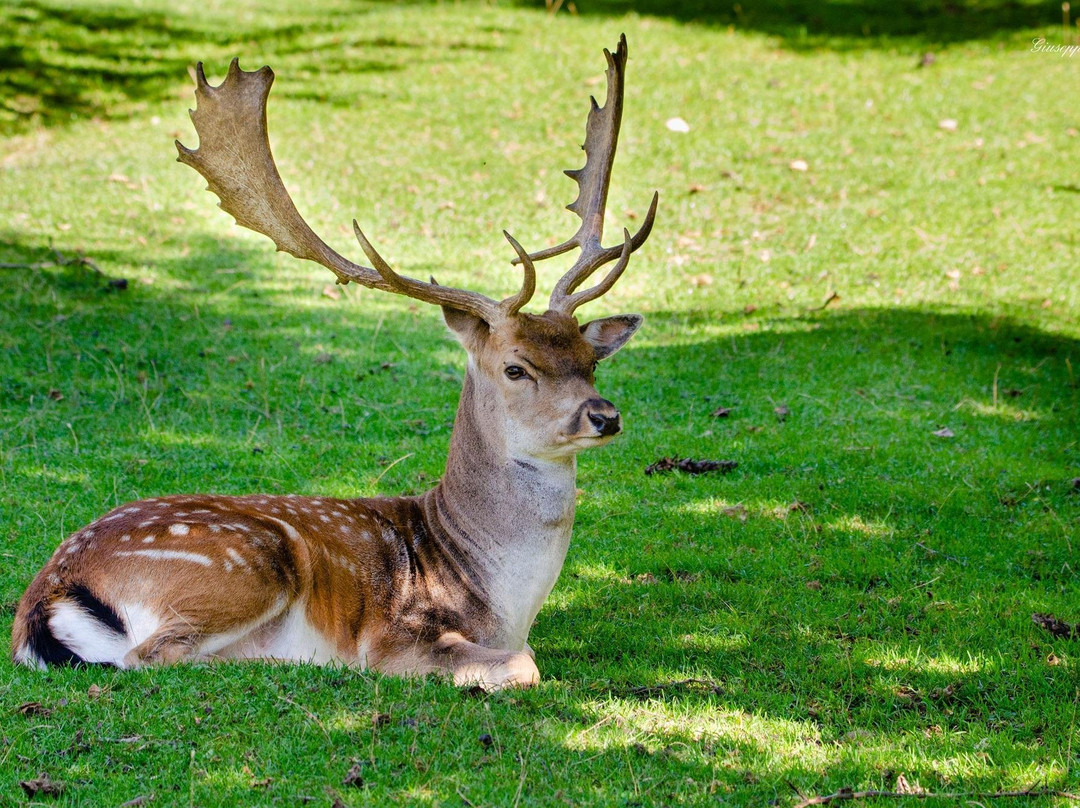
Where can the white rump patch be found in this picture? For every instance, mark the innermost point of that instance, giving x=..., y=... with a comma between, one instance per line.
x=24, y=656
x=86, y=636
x=170, y=555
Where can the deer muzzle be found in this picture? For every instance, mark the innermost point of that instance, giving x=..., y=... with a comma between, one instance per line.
x=604, y=417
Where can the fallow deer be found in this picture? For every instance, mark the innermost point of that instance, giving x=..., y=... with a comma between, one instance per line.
x=447, y=581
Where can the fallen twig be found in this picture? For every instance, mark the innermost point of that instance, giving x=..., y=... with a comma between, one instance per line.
x=697, y=684
x=946, y=556
x=59, y=260
x=689, y=466
x=850, y=794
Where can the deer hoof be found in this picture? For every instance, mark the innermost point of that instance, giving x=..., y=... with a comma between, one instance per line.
x=515, y=670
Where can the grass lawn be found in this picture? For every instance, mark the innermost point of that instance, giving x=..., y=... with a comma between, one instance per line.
x=866, y=250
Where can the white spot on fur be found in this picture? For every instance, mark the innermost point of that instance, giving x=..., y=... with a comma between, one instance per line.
x=148, y=540
x=126, y=537
x=235, y=556
x=72, y=548
x=170, y=555
x=215, y=528
x=148, y=522
x=323, y=517
x=179, y=529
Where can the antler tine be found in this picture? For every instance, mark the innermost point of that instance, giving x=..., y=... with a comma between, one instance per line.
x=512, y=305
x=462, y=299
x=571, y=302
x=593, y=179
x=235, y=159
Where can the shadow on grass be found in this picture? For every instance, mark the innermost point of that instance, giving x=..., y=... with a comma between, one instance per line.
x=850, y=24
x=857, y=582
x=60, y=62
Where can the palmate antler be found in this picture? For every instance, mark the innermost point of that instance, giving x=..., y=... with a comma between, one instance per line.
x=235, y=159
x=601, y=138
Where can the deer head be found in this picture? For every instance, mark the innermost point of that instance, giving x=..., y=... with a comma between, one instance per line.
x=530, y=376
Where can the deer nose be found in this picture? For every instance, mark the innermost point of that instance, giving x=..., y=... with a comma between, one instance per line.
x=604, y=416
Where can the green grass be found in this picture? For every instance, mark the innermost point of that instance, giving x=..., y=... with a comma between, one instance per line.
x=881, y=628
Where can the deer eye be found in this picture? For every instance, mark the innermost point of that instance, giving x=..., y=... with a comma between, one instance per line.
x=514, y=372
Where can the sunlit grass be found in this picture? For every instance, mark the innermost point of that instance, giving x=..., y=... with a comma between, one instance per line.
x=893, y=332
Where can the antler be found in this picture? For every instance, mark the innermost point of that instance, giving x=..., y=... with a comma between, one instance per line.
x=601, y=138
x=234, y=157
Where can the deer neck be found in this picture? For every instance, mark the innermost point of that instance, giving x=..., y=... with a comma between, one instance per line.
x=507, y=518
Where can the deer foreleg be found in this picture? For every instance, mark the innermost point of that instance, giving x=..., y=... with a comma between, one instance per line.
x=490, y=668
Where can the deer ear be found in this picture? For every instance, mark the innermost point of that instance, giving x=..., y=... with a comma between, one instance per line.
x=606, y=336
x=470, y=330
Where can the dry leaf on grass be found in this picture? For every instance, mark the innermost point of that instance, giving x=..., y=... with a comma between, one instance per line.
x=41, y=786
x=736, y=512
x=354, y=777
x=32, y=708
x=904, y=786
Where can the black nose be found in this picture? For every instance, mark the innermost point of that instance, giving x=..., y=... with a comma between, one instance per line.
x=606, y=424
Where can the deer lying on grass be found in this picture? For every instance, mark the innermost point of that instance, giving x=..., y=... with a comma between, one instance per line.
x=448, y=581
